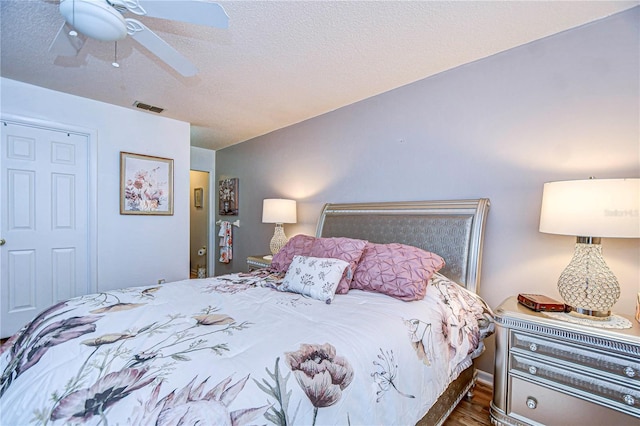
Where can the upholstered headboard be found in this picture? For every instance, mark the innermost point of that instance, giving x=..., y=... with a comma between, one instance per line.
x=452, y=229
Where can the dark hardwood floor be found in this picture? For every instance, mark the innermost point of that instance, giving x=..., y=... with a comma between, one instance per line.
x=474, y=412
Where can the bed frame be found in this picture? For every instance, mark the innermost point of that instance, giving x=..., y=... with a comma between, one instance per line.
x=453, y=229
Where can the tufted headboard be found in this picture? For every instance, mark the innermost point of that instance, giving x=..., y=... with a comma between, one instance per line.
x=453, y=229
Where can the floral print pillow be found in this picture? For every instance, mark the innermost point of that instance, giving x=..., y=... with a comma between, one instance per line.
x=348, y=249
x=315, y=277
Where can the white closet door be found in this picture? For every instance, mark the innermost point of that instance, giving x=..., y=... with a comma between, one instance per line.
x=44, y=221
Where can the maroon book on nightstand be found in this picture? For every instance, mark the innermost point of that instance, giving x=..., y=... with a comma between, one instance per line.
x=539, y=302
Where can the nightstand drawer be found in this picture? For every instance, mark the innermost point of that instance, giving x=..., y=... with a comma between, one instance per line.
x=613, y=394
x=620, y=367
x=532, y=402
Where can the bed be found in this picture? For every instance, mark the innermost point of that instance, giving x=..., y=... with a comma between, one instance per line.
x=274, y=346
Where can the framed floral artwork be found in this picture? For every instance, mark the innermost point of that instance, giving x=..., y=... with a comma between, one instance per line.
x=228, y=197
x=146, y=184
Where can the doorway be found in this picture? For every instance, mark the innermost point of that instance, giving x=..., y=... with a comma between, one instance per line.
x=47, y=218
x=199, y=228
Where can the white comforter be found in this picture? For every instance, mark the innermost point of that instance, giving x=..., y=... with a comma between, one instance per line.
x=232, y=350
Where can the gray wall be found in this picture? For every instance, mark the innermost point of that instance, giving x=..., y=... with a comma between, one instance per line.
x=564, y=107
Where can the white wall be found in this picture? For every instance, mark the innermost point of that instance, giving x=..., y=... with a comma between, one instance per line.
x=131, y=250
x=564, y=107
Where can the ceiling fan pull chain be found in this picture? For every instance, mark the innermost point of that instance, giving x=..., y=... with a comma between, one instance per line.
x=115, y=56
x=72, y=31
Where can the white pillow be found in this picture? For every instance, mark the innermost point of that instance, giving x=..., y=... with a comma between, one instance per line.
x=316, y=277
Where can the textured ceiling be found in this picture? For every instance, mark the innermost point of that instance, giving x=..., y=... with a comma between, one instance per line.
x=280, y=62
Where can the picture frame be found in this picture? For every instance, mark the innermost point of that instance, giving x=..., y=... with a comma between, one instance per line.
x=228, y=197
x=198, y=196
x=146, y=184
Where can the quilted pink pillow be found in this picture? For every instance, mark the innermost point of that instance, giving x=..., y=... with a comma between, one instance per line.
x=396, y=270
x=297, y=245
x=348, y=249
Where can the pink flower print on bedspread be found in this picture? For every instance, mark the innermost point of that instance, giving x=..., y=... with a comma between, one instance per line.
x=321, y=374
x=83, y=404
x=119, y=364
x=179, y=343
x=421, y=339
x=194, y=405
x=34, y=340
x=462, y=319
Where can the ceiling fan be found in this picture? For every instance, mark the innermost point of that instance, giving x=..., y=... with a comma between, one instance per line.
x=103, y=20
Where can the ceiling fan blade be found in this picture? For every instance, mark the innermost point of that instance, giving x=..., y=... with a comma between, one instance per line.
x=191, y=11
x=143, y=35
x=65, y=44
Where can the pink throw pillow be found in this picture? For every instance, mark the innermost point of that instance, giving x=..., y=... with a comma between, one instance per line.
x=297, y=245
x=348, y=249
x=397, y=270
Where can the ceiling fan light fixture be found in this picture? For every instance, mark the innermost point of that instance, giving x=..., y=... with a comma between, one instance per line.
x=94, y=18
x=104, y=20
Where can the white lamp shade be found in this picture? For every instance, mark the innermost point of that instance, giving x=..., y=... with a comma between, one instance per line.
x=592, y=208
x=278, y=210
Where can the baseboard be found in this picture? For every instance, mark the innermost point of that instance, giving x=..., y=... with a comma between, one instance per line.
x=485, y=378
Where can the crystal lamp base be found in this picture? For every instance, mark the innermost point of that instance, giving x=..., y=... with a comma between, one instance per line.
x=587, y=284
x=278, y=240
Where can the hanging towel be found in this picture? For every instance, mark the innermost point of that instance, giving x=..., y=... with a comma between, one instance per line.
x=226, y=242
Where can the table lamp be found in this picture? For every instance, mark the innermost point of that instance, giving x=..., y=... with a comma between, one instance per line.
x=590, y=209
x=278, y=211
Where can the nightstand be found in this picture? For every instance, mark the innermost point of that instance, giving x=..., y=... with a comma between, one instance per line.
x=553, y=372
x=257, y=262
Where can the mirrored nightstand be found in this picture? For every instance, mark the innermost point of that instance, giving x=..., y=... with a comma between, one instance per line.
x=554, y=372
x=258, y=261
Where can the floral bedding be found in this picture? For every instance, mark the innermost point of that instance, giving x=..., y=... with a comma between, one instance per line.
x=234, y=350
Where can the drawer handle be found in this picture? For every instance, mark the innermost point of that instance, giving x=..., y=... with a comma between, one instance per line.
x=532, y=369
x=533, y=347
x=629, y=400
x=630, y=372
x=532, y=403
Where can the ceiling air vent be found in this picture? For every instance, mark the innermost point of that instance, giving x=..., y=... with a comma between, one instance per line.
x=148, y=107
